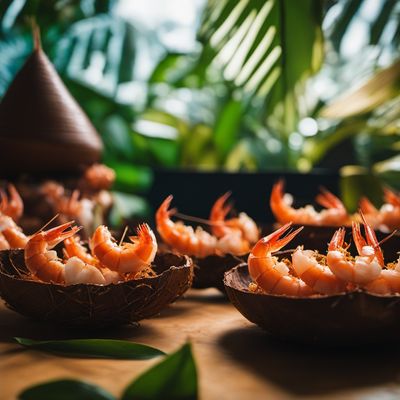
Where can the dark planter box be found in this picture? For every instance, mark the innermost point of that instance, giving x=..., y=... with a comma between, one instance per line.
x=195, y=192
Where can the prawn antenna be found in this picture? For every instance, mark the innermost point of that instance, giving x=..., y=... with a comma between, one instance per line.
x=123, y=235
x=198, y=220
x=386, y=238
x=48, y=223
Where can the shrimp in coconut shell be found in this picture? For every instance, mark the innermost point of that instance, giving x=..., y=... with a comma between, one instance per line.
x=220, y=226
x=362, y=269
x=334, y=214
x=197, y=242
x=387, y=217
x=126, y=257
x=45, y=265
x=270, y=274
x=310, y=267
x=74, y=248
x=183, y=238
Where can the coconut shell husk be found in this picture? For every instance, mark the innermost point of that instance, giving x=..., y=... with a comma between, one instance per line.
x=348, y=319
x=94, y=305
x=209, y=271
x=42, y=128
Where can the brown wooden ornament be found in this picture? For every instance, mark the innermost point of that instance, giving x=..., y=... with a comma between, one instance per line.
x=42, y=128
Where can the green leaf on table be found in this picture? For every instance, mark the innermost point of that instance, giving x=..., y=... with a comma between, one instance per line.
x=94, y=348
x=65, y=389
x=175, y=377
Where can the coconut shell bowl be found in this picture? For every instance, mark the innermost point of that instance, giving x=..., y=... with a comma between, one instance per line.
x=94, y=305
x=345, y=319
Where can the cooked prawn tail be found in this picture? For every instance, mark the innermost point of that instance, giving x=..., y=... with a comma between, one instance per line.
x=328, y=200
x=163, y=211
x=275, y=241
x=337, y=240
x=145, y=233
x=372, y=240
x=3, y=201
x=220, y=209
x=358, y=238
x=60, y=233
x=277, y=192
x=366, y=206
x=391, y=197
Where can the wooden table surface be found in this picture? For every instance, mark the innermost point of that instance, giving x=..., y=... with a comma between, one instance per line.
x=235, y=359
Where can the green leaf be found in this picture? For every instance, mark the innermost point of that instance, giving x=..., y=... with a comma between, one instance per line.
x=356, y=182
x=65, y=389
x=174, y=378
x=383, y=86
x=94, y=348
x=342, y=22
x=380, y=23
x=256, y=44
x=127, y=206
x=227, y=127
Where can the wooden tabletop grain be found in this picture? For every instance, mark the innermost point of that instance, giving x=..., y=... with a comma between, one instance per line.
x=235, y=359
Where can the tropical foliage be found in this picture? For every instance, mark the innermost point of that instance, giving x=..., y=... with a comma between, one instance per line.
x=262, y=91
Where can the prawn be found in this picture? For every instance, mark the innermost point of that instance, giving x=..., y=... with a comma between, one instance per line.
x=98, y=177
x=4, y=245
x=334, y=213
x=365, y=267
x=387, y=217
x=220, y=226
x=270, y=274
x=45, y=265
x=183, y=238
x=11, y=205
x=126, y=257
x=74, y=248
x=12, y=233
x=311, y=268
x=40, y=259
x=388, y=281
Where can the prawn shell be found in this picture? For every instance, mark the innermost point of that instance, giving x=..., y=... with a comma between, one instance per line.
x=94, y=305
x=318, y=237
x=346, y=320
x=209, y=271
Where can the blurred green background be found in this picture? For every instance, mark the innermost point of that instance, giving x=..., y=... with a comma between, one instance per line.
x=249, y=85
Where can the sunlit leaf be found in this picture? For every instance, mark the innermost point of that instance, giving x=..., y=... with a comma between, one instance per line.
x=381, y=87
x=174, y=378
x=94, y=348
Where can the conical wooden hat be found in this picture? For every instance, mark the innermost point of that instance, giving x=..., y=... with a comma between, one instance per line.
x=42, y=128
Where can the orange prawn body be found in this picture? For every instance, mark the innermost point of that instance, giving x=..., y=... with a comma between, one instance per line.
x=366, y=267
x=316, y=275
x=334, y=213
x=183, y=238
x=386, y=218
x=73, y=248
x=268, y=273
x=40, y=260
x=12, y=205
x=127, y=257
x=4, y=245
x=12, y=233
x=220, y=226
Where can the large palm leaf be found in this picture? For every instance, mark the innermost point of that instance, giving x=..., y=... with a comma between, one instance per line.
x=264, y=47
